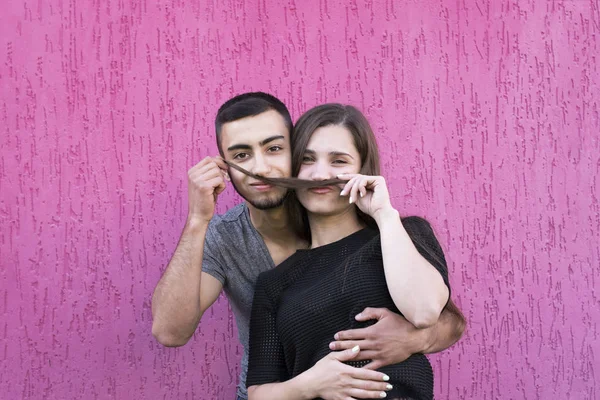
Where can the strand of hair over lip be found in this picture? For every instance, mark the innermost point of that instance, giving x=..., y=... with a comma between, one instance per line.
x=289, y=183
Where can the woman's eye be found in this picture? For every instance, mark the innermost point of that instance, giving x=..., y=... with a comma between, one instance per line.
x=307, y=159
x=340, y=162
x=240, y=156
x=275, y=148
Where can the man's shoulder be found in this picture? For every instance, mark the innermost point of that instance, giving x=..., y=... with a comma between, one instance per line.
x=233, y=216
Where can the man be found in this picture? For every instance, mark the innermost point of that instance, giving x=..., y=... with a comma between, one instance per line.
x=228, y=252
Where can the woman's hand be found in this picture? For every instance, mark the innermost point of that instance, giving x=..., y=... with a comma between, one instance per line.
x=334, y=380
x=370, y=193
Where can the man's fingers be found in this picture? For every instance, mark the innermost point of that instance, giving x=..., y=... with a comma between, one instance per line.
x=202, y=162
x=205, y=176
x=219, y=189
x=346, y=344
x=205, y=168
x=352, y=334
x=367, y=355
x=346, y=355
x=217, y=183
x=221, y=163
x=373, y=365
x=372, y=313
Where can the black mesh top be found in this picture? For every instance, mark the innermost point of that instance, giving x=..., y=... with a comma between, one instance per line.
x=303, y=302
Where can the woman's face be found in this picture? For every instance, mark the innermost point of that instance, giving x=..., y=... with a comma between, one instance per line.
x=331, y=151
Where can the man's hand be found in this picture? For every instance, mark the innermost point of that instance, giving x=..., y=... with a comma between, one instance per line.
x=206, y=180
x=392, y=339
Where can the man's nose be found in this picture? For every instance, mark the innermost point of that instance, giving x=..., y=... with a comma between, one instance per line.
x=261, y=166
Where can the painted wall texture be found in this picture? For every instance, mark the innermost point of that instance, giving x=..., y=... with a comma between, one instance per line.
x=487, y=114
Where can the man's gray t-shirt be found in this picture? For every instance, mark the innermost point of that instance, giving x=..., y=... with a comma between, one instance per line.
x=235, y=254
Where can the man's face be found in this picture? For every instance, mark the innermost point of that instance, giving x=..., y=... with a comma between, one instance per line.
x=261, y=145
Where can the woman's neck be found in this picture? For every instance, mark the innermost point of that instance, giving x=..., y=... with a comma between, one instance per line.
x=325, y=229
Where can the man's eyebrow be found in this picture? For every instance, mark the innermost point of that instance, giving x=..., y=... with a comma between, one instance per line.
x=270, y=139
x=261, y=143
x=239, y=147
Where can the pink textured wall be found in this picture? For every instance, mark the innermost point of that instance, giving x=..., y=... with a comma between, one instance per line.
x=488, y=118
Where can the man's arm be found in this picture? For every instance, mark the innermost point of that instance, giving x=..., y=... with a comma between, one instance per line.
x=392, y=339
x=184, y=292
x=448, y=330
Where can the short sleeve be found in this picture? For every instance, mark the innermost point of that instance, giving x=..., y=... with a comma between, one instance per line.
x=211, y=261
x=266, y=363
x=424, y=239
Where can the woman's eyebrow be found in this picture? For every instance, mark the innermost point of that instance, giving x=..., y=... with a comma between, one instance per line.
x=340, y=153
x=331, y=153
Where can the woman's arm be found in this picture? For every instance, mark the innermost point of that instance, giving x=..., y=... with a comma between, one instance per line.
x=416, y=286
x=294, y=389
x=328, y=379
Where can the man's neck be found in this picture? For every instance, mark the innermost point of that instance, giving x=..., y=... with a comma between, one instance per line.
x=271, y=223
x=331, y=228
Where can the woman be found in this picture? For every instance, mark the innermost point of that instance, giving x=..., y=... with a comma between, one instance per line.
x=361, y=255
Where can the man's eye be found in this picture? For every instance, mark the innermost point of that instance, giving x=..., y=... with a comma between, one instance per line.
x=275, y=148
x=240, y=156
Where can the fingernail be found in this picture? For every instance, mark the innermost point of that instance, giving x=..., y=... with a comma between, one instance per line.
x=385, y=377
x=351, y=200
x=389, y=387
x=336, y=336
x=331, y=346
x=358, y=316
x=383, y=394
x=343, y=193
x=355, y=349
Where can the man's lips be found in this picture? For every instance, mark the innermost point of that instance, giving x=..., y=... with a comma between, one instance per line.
x=261, y=186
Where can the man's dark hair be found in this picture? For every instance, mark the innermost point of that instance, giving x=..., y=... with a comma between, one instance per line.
x=249, y=105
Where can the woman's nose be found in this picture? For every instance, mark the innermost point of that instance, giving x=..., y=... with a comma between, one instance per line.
x=320, y=172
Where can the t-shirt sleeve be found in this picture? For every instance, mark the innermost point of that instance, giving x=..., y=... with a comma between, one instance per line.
x=212, y=262
x=424, y=239
x=266, y=363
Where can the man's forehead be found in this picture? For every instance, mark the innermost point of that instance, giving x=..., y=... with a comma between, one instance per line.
x=256, y=128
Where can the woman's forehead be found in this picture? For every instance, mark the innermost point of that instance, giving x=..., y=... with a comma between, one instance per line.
x=331, y=138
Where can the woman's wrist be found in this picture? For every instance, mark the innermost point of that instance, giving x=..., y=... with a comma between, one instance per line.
x=304, y=386
x=386, y=214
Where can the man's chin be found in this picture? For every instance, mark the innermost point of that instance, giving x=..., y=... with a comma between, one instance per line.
x=267, y=203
